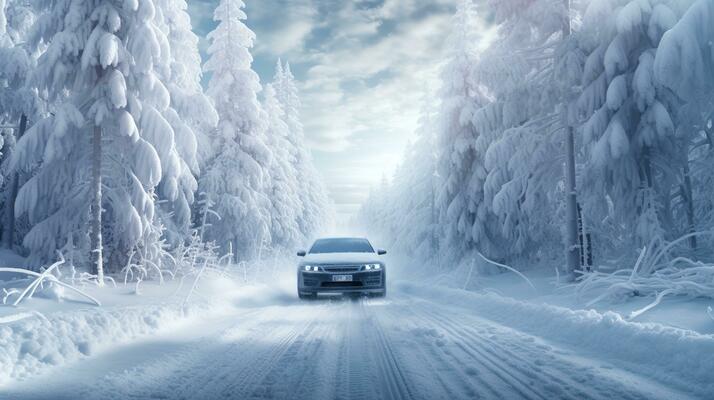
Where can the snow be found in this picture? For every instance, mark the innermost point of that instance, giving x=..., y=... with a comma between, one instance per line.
x=430, y=338
x=662, y=20
x=423, y=341
x=615, y=59
x=631, y=16
x=683, y=357
x=617, y=137
x=684, y=59
x=44, y=333
x=617, y=92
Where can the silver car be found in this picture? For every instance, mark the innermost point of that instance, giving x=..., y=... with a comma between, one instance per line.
x=341, y=265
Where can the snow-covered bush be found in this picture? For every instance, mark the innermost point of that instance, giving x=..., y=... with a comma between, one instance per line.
x=50, y=275
x=659, y=271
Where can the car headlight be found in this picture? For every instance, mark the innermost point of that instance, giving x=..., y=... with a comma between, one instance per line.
x=369, y=267
x=310, y=268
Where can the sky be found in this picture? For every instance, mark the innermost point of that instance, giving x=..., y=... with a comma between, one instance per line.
x=364, y=69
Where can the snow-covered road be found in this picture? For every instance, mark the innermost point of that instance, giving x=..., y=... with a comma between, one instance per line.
x=401, y=347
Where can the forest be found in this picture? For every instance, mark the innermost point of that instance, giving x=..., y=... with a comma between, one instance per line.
x=627, y=84
x=115, y=157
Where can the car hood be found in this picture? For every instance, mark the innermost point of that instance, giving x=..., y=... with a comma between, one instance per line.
x=341, y=258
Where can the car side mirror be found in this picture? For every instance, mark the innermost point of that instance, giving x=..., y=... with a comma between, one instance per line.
x=301, y=253
x=381, y=252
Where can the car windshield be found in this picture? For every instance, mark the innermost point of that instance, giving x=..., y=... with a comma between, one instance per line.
x=341, y=245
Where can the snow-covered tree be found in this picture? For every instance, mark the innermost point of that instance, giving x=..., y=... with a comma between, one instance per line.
x=314, y=211
x=404, y=214
x=284, y=198
x=633, y=155
x=237, y=181
x=16, y=19
x=466, y=216
x=107, y=145
x=519, y=129
x=190, y=115
x=498, y=135
x=18, y=102
x=684, y=64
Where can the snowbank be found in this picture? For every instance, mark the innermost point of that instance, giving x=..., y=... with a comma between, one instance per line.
x=31, y=344
x=9, y=258
x=65, y=331
x=678, y=357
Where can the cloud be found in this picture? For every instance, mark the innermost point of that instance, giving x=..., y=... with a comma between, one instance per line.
x=282, y=27
x=356, y=89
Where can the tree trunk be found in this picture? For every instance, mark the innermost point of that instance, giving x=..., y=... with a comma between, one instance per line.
x=648, y=168
x=234, y=250
x=96, y=255
x=689, y=199
x=434, y=220
x=8, y=234
x=572, y=250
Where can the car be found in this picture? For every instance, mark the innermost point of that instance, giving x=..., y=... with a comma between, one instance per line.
x=341, y=265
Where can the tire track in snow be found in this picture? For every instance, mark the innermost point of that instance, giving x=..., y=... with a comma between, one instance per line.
x=394, y=381
x=298, y=371
x=563, y=378
x=229, y=365
x=474, y=373
x=355, y=369
x=521, y=380
x=536, y=368
x=251, y=377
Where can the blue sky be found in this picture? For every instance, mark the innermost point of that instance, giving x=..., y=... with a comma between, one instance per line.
x=364, y=69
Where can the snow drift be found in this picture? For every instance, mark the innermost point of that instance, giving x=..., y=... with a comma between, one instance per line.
x=677, y=357
x=29, y=345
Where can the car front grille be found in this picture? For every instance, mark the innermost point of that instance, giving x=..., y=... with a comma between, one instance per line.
x=342, y=268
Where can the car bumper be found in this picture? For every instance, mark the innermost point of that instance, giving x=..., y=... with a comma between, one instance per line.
x=362, y=282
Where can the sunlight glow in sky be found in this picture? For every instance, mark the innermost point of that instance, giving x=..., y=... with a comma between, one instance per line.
x=364, y=67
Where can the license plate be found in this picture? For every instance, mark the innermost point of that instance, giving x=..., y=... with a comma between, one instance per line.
x=341, y=278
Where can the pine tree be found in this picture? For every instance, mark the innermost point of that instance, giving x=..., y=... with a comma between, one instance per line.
x=684, y=64
x=18, y=103
x=314, y=205
x=101, y=153
x=522, y=127
x=237, y=181
x=284, y=197
x=460, y=196
x=189, y=114
x=629, y=135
